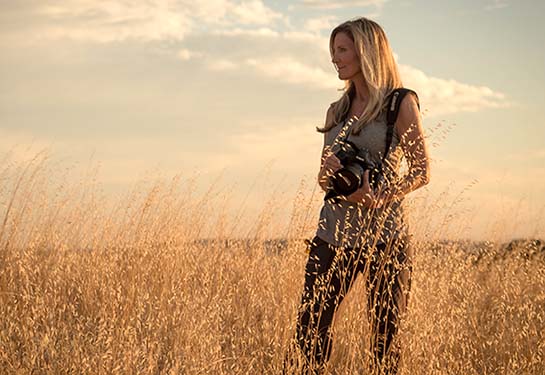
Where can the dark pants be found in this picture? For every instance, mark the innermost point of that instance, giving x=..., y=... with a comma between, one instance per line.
x=329, y=274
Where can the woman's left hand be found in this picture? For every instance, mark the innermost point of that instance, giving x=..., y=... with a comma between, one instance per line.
x=365, y=195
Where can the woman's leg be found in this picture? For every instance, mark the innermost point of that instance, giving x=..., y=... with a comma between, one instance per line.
x=388, y=284
x=327, y=281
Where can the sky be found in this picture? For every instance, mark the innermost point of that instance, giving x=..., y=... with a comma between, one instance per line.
x=236, y=88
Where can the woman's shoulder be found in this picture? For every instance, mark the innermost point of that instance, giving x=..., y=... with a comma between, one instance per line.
x=407, y=94
x=332, y=107
x=409, y=98
x=408, y=116
x=408, y=107
x=331, y=114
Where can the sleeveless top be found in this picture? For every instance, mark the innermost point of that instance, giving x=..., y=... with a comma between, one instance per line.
x=348, y=224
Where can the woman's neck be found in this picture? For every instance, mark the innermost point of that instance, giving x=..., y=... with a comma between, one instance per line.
x=362, y=92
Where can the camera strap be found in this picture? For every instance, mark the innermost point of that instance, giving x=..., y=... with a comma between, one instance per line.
x=394, y=102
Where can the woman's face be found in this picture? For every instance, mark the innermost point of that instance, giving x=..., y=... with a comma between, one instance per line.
x=344, y=57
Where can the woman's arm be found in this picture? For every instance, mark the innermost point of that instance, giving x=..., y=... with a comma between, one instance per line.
x=411, y=133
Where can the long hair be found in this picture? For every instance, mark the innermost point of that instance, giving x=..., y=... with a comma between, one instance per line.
x=378, y=66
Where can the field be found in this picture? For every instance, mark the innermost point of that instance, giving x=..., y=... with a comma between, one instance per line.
x=157, y=284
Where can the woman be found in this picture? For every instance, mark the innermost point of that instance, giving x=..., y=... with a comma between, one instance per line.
x=365, y=231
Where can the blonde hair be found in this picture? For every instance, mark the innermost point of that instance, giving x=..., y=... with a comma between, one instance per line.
x=378, y=66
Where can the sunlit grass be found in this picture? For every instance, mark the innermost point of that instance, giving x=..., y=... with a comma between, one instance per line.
x=170, y=280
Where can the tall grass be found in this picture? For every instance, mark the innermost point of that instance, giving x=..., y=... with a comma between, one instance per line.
x=167, y=280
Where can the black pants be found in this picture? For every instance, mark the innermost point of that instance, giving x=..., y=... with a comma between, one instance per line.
x=329, y=274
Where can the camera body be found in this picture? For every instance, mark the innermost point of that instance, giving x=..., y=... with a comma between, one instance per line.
x=354, y=162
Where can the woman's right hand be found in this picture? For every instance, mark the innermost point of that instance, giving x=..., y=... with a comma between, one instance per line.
x=330, y=165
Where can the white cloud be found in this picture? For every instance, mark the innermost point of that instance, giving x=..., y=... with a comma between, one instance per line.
x=438, y=96
x=110, y=21
x=315, y=25
x=185, y=54
x=298, y=57
x=445, y=96
x=260, y=32
x=289, y=70
x=106, y=21
x=327, y=4
x=302, y=58
x=222, y=65
x=253, y=12
x=496, y=4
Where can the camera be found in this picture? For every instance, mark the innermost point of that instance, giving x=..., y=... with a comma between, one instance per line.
x=354, y=163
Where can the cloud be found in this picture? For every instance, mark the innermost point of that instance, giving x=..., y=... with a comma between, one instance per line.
x=438, y=96
x=292, y=71
x=496, y=4
x=284, y=69
x=302, y=59
x=104, y=21
x=294, y=56
x=253, y=12
x=235, y=32
x=315, y=25
x=220, y=65
x=445, y=96
x=326, y=4
x=184, y=54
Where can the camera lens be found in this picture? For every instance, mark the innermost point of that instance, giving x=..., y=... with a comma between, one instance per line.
x=347, y=180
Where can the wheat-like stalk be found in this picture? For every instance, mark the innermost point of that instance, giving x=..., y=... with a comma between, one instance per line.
x=162, y=281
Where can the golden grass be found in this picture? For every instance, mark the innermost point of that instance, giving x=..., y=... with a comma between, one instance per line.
x=132, y=288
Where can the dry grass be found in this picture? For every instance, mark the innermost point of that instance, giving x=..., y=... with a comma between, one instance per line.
x=90, y=287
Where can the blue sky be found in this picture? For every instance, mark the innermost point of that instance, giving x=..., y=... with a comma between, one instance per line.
x=232, y=86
